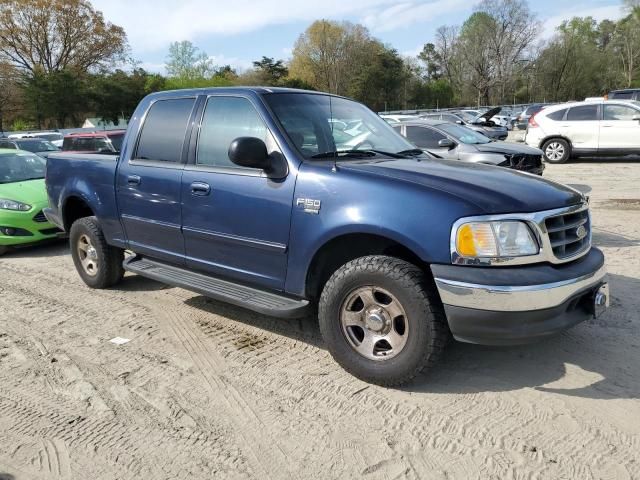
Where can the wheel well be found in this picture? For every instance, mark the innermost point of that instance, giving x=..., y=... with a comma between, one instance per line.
x=555, y=137
x=345, y=248
x=74, y=209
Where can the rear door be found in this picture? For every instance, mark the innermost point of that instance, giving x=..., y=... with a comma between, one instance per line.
x=235, y=220
x=149, y=183
x=582, y=127
x=618, y=130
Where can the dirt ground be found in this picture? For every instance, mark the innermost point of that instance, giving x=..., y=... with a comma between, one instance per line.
x=205, y=390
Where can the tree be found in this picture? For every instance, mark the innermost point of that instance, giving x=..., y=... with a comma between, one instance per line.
x=10, y=94
x=432, y=61
x=116, y=95
x=52, y=36
x=187, y=62
x=327, y=52
x=272, y=72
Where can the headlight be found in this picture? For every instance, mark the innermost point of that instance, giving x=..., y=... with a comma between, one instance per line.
x=497, y=239
x=13, y=205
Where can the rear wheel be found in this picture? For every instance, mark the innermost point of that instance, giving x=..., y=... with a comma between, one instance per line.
x=556, y=150
x=381, y=321
x=99, y=264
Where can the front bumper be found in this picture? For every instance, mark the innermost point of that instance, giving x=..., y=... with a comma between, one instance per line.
x=25, y=228
x=515, y=305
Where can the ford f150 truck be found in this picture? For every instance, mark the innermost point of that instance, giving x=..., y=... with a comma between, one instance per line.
x=251, y=196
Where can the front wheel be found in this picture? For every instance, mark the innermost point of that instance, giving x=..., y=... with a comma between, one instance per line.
x=381, y=321
x=99, y=264
x=556, y=150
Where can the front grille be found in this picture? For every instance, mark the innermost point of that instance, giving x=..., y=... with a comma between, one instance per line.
x=40, y=218
x=569, y=234
x=524, y=162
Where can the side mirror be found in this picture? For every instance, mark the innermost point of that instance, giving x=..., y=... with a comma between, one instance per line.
x=252, y=152
x=446, y=143
x=249, y=152
x=459, y=122
x=636, y=118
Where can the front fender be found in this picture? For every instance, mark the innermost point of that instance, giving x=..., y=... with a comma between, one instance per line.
x=412, y=215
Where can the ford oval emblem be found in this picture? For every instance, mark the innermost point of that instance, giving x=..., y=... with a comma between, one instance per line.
x=581, y=232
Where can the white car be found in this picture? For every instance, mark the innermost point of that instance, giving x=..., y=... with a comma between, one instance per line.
x=603, y=128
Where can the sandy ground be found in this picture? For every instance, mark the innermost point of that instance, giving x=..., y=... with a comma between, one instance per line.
x=205, y=390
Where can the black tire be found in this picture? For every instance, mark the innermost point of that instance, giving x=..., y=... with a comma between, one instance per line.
x=108, y=269
x=556, y=150
x=427, y=331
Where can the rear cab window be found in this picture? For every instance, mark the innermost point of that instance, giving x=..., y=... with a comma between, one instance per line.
x=163, y=133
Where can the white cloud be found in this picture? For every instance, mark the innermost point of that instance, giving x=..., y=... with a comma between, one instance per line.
x=239, y=64
x=611, y=12
x=152, y=25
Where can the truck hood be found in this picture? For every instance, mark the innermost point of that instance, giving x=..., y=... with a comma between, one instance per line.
x=486, y=116
x=29, y=192
x=495, y=190
x=507, y=148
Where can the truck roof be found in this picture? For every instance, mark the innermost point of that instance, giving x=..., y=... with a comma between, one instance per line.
x=102, y=133
x=253, y=90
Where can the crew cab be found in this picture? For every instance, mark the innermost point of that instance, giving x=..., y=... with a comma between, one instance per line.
x=253, y=197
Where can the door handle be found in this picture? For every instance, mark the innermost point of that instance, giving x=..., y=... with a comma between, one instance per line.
x=133, y=180
x=200, y=188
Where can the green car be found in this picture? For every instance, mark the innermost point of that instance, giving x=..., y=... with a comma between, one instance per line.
x=22, y=198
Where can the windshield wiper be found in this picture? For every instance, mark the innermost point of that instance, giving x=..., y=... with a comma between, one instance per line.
x=411, y=152
x=346, y=153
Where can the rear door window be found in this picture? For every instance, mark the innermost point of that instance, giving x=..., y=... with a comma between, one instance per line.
x=424, y=137
x=583, y=113
x=164, y=130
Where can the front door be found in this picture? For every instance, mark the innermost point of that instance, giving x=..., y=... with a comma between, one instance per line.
x=235, y=220
x=149, y=183
x=618, y=130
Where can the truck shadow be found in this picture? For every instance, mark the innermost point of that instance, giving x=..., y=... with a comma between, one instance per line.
x=606, y=238
x=599, y=355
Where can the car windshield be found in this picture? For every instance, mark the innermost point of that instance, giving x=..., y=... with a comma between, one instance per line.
x=467, y=117
x=321, y=124
x=51, y=136
x=36, y=145
x=464, y=134
x=19, y=167
x=116, y=141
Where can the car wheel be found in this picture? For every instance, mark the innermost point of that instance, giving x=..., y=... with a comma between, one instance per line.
x=99, y=264
x=381, y=321
x=556, y=150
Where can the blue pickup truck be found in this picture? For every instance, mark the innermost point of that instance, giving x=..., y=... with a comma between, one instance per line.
x=289, y=202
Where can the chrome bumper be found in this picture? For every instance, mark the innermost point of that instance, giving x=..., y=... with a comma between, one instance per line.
x=516, y=298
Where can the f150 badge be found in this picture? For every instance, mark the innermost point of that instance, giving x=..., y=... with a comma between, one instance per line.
x=309, y=205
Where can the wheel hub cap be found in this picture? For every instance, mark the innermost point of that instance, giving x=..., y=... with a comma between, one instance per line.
x=88, y=255
x=374, y=323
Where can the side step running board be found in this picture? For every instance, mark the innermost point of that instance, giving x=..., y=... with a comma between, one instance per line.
x=260, y=301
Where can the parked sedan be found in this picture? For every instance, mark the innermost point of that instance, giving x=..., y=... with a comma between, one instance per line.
x=22, y=198
x=491, y=131
x=38, y=146
x=456, y=142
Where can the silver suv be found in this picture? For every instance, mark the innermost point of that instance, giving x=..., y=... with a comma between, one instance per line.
x=603, y=128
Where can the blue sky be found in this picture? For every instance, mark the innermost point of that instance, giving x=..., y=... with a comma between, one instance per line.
x=239, y=31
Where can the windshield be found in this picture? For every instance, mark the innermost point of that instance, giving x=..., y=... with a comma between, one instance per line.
x=51, y=136
x=116, y=141
x=319, y=124
x=464, y=134
x=467, y=117
x=36, y=145
x=19, y=167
